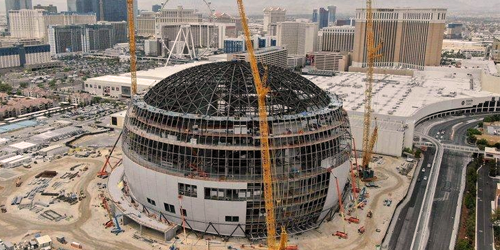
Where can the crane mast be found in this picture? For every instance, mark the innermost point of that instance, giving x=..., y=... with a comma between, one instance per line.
x=371, y=49
x=131, y=35
x=262, y=91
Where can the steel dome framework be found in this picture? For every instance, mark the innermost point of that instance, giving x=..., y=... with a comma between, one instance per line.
x=201, y=124
x=227, y=89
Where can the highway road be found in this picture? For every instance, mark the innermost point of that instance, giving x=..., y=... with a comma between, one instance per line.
x=446, y=200
x=447, y=190
x=486, y=193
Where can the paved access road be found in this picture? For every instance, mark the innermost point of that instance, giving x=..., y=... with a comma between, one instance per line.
x=407, y=220
x=486, y=193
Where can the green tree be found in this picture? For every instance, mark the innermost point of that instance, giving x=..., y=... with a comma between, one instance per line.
x=472, y=138
x=473, y=131
x=470, y=201
x=6, y=88
x=482, y=142
x=23, y=85
x=470, y=227
x=96, y=99
x=52, y=84
x=418, y=152
x=463, y=244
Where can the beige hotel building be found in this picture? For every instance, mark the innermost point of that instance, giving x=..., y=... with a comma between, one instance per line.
x=412, y=38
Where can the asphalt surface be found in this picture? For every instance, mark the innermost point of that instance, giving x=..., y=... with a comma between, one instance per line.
x=407, y=220
x=445, y=202
x=486, y=193
x=447, y=190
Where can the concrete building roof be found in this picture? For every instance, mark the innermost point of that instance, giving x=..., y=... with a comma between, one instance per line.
x=146, y=78
x=404, y=95
x=49, y=135
x=44, y=240
x=120, y=114
x=491, y=150
x=13, y=159
x=122, y=79
x=163, y=72
x=47, y=149
x=22, y=145
x=3, y=140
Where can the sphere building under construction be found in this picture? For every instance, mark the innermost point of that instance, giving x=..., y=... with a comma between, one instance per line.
x=192, y=150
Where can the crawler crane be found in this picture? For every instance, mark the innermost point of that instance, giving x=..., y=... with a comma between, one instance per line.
x=369, y=143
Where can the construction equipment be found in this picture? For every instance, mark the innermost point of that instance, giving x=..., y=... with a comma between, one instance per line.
x=361, y=230
x=103, y=173
x=369, y=214
x=341, y=208
x=369, y=143
x=117, y=228
x=262, y=91
x=18, y=182
x=108, y=210
x=353, y=220
x=131, y=34
x=340, y=234
x=183, y=218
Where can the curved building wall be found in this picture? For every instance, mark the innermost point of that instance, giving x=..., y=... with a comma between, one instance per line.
x=214, y=164
x=163, y=190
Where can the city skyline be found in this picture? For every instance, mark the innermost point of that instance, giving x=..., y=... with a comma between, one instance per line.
x=257, y=6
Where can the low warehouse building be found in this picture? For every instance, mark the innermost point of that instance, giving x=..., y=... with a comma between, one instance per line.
x=53, y=150
x=15, y=161
x=24, y=147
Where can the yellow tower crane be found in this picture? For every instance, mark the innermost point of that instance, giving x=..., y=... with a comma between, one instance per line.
x=262, y=91
x=131, y=35
x=369, y=143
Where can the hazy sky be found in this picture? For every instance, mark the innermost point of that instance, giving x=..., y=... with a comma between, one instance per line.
x=303, y=6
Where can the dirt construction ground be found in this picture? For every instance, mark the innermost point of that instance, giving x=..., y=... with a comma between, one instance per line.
x=84, y=227
x=87, y=216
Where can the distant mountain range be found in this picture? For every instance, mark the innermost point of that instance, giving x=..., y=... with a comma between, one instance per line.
x=254, y=7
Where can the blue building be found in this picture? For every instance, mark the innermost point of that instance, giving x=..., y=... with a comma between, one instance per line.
x=332, y=10
x=112, y=10
x=234, y=45
x=323, y=18
x=21, y=56
x=115, y=10
x=156, y=7
x=315, y=16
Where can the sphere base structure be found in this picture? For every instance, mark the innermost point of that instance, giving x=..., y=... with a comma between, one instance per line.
x=192, y=150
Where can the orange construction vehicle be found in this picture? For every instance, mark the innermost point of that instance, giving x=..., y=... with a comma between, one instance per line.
x=353, y=220
x=341, y=235
x=361, y=230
